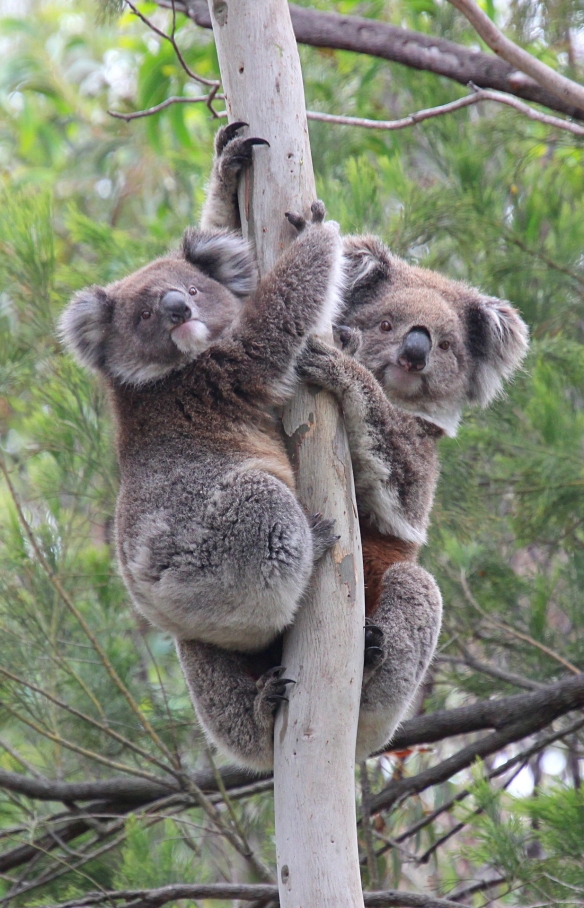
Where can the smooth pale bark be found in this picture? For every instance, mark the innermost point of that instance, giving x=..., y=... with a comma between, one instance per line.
x=315, y=734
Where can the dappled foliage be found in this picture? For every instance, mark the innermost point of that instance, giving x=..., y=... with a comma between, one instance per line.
x=87, y=691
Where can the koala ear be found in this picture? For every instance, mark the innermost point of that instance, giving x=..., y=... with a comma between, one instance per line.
x=224, y=256
x=366, y=262
x=84, y=324
x=497, y=339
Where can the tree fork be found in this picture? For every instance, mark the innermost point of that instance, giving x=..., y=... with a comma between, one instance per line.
x=315, y=735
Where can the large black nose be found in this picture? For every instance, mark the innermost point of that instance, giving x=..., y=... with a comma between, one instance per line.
x=175, y=306
x=414, y=351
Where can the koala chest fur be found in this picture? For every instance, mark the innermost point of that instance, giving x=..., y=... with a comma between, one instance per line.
x=379, y=553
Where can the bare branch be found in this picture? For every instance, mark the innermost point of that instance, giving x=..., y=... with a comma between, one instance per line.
x=419, y=116
x=153, y=898
x=569, y=91
x=318, y=28
x=548, y=704
x=164, y=104
x=399, y=789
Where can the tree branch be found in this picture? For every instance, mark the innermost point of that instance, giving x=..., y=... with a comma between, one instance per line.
x=565, y=89
x=401, y=45
x=153, y=898
x=546, y=705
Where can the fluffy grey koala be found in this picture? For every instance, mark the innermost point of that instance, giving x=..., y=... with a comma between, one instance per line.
x=424, y=347
x=212, y=542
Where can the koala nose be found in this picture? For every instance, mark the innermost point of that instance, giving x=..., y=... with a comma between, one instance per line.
x=174, y=305
x=413, y=355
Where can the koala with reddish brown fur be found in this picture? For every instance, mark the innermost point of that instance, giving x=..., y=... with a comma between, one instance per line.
x=422, y=348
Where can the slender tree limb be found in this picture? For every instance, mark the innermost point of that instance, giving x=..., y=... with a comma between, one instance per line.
x=399, y=789
x=318, y=28
x=567, y=90
x=153, y=898
x=479, y=95
x=553, y=701
x=136, y=115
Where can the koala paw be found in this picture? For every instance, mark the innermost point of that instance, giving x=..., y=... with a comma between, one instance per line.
x=272, y=689
x=233, y=151
x=373, y=655
x=317, y=363
x=298, y=221
x=323, y=537
x=349, y=339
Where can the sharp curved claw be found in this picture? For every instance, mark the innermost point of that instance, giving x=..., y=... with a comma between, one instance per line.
x=233, y=128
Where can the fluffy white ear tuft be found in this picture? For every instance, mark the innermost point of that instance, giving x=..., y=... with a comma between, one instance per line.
x=498, y=340
x=84, y=324
x=224, y=256
x=366, y=261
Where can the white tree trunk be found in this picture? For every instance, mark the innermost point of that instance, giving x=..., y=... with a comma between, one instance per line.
x=315, y=734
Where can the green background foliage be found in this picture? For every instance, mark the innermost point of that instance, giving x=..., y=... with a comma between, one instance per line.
x=87, y=690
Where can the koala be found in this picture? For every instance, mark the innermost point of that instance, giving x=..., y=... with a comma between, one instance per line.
x=418, y=348
x=423, y=348
x=212, y=542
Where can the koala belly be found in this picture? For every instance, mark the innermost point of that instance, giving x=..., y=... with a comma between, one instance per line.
x=225, y=562
x=380, y=553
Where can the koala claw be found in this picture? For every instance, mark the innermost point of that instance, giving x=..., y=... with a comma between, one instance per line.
x=227, y=133
x=272, y=687
x=373, y=650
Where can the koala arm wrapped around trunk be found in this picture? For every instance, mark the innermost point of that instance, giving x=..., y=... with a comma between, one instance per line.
x=300, y=295
x=393, y=452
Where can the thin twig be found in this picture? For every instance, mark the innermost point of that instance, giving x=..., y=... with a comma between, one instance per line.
x=523, y=756
x=478, y=95
x=56, y=583
x=511, y=630
x=158, y=107
x=171, y=38
x=90, y=721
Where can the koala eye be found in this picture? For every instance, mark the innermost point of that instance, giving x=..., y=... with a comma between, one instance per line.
x=444, y=345
x=146, y=314
x=385, y=326
x=193, y=291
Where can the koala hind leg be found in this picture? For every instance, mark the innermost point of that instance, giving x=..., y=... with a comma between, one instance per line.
x=399, y=646
x=235, y=707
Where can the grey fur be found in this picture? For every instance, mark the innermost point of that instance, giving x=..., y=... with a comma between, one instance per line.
x=394, y=420
x=212, y=543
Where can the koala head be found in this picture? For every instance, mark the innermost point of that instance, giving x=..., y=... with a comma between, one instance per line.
x=163, y=316
x=433, y=344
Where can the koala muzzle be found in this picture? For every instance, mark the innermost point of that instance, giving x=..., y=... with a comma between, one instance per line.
x=175, y=306
x=414, y=351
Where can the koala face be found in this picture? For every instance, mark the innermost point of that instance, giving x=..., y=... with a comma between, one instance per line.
x=163, y=316
x=432, y=343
